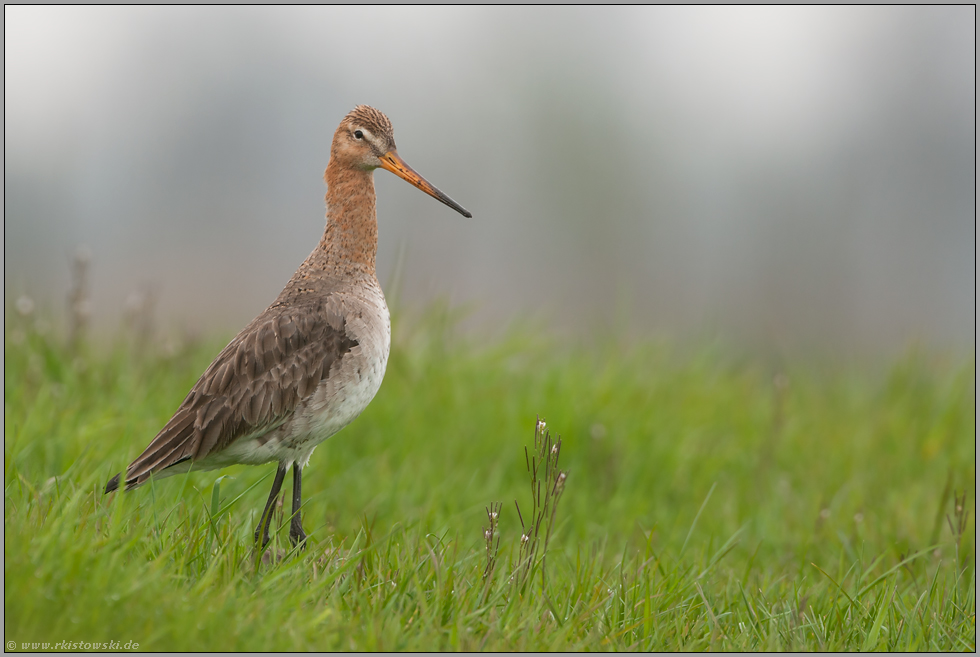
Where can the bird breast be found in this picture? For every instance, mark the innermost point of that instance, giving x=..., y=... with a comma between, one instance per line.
x=354, y=381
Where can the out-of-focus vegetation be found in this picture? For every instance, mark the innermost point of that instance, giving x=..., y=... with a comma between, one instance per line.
x=711, y=502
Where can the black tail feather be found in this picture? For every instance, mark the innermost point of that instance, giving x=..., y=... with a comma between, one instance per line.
x=133, y=482
x=112, y=485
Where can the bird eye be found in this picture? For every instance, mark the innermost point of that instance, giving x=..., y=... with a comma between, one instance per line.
x=358, y=134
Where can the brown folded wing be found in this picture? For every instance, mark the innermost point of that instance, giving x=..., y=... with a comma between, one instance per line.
x=252, y=387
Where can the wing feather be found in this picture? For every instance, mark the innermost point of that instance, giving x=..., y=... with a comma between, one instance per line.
x=253, y=385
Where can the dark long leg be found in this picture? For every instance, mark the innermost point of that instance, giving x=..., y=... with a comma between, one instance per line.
x=296, y=533
x=263, y=528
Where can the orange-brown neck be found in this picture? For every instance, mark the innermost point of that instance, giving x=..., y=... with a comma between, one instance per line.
x=350, y=240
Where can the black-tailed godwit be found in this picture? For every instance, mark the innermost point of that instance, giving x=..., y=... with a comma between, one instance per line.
x=312, y=361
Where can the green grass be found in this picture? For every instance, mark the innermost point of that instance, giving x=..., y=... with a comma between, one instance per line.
x=711, y=503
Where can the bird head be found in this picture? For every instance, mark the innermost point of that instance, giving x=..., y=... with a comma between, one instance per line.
x=365, y=140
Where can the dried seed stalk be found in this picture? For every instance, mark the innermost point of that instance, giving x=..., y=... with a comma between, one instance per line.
x=547, y=486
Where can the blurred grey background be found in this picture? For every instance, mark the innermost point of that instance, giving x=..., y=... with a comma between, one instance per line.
x=792, y=177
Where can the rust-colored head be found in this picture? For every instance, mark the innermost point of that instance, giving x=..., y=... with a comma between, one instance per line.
x=365, y=140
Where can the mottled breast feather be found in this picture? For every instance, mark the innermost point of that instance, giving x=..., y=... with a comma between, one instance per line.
x=253, y=386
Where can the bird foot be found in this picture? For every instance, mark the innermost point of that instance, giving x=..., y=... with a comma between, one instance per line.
x=298, y=537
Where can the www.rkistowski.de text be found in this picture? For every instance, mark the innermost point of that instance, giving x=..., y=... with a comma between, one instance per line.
x=73, y=645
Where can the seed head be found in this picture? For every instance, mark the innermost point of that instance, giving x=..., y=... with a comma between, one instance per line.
x=82, y=308
x=83, y=254
x=25, y=305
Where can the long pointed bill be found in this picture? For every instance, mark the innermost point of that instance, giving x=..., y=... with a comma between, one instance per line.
x=393, y=162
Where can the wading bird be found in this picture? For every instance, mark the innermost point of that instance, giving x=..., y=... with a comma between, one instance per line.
x=312, y=361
